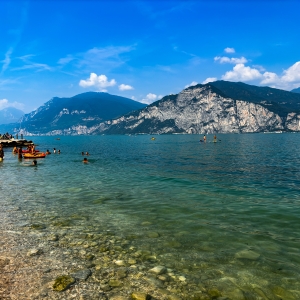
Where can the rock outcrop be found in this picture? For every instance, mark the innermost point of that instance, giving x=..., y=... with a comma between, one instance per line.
x=200, y=109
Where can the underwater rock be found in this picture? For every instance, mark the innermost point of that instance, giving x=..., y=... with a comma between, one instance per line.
x=82, y=274
x=120, y=262
x=140, y=296
x=115, y=283
x=131, y=261
x=37, y=226
x=52, y=237
x=153, y=235
x=63, y=282
x=158, y=270
x=34, y=252
x=248, y=254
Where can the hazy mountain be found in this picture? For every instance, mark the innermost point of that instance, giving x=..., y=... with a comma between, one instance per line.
x=10, y=115
x=65, y=115
x=211, y=108
x=297, y=90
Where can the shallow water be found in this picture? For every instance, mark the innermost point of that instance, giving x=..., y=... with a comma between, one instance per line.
x=225, y=214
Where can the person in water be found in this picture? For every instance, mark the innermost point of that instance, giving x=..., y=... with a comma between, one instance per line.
x=34, y=163
x=54, y=150
x=48, y=152
x=85, y=160
x=86, y=153
x=215, y=138
x=204, y=138
x=20, y=153
x=1, y=152
x=58, y=151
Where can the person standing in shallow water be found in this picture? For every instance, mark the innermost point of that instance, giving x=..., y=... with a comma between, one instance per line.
x=215, y=138
x=1, y=152
x=204, y=138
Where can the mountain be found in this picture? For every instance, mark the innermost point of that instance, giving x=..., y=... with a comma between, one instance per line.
x=10, y=115
x=73, y=115
x=211, y=108
x=297, y=90
x=278, y=101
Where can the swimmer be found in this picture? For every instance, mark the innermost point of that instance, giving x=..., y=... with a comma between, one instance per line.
x=85, y=160
x=34, y=163
x=86, y=153
x=48, y=152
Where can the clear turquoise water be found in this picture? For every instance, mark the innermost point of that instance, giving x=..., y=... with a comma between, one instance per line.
x=207, y=202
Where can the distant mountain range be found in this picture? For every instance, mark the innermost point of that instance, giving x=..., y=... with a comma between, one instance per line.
x=216, y=107
x=297, y=90
x=10, y=115
x=70, y=115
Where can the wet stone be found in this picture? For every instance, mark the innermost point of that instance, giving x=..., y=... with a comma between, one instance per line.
x=34, y=252
x=153, y=234
x=158, y=270
x=63, y=282
x=140, y=296
x=115, y=283
x=247, y=254
x=82, y=274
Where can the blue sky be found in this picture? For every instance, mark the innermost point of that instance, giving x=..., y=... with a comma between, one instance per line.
x=143, y=50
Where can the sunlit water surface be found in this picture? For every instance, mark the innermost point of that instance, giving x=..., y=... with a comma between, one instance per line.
x=216, y=210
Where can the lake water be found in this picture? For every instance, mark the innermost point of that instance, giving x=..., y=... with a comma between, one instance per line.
x=225, y=214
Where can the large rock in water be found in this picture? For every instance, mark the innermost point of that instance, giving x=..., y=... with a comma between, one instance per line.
x=202, y=109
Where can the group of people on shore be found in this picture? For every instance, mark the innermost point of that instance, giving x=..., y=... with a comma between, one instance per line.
x=8, y=136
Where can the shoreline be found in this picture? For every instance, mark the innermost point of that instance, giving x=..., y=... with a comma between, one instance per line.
x=15, y=143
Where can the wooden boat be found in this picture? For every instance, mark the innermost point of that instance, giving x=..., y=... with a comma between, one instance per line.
x=36, y=155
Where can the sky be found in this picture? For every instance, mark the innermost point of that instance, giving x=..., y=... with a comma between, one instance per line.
x=143, y=50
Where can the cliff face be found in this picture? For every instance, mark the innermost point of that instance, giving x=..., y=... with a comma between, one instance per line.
x=200, y=109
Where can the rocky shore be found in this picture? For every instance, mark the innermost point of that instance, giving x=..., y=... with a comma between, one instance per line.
x=38, y=261
x=15, y=143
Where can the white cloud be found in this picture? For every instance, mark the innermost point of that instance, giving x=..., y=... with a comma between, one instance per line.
x=150, y=98
x=191, y=84
x=229, y=50
x=7, y=60
x=4, y=103
x=99, y=82
x=125, y=87
x=232, y=60
x=209, y=79
x=270, y=78
x=292, y=74
x=242, y=73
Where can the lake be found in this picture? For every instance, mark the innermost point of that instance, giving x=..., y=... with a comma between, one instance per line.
x=224, y=216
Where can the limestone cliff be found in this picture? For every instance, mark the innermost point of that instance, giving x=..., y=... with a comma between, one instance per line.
x=200, y=109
